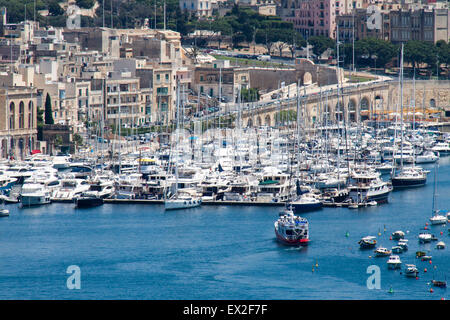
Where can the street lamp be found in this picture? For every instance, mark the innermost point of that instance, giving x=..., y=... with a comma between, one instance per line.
x=374, y=56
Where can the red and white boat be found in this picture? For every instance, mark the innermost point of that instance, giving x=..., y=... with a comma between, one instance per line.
x=291, y=229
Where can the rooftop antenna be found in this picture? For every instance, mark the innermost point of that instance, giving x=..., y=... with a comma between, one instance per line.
x=103, y=11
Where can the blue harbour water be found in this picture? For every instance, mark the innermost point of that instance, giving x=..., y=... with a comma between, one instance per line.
x=143, y=252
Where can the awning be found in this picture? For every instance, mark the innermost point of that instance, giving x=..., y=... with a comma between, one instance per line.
x=35, y=151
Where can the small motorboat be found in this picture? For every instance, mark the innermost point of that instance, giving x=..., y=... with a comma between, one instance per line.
x=4, y=213
x=394, y=262
x=367, y=242
x=426, y=258
x=382, y=252
x=397, y=235
x=411, y=270
x=397, y=249
x=420, y=254
x=403, y=243
x=440, y=245
x=440, y=284
x=372, y=203
x=353, y=206
x=425, y=237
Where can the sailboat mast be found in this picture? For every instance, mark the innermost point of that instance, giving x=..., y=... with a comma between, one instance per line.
x=401, y=108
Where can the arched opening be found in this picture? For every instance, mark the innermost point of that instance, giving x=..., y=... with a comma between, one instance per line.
x=378, y=108
x=326, y=114
x=307, y=78
x=364, y=108
x=249, y=123
x=30, y=115
x=21, y=146
x=432, y=103
x=267, y=121
x=339, y=112
x=351, y=107
x=258, y=121
x=21, y=114
x=12, y=110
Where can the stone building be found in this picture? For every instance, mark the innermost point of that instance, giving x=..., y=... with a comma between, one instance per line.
x=18, y=121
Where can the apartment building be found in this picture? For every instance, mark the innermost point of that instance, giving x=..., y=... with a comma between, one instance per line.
x=425, y=24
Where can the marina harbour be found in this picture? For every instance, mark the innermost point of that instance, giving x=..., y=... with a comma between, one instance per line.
x=333, y=209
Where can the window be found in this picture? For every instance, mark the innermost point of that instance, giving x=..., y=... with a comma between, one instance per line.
x=30, y=114
x=12, y=109
x=167, y=77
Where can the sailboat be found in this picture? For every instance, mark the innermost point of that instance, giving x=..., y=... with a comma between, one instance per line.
x=180, y=199
x=436, y=218
x=407, y=176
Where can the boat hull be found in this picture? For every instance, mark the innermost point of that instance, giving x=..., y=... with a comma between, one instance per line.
x=408, y=183
x=305, y=207
x=181, y=204
x=29, y=201
x=88, y=202
x=291, y=242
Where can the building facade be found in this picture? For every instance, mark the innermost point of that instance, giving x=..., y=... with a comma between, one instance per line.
x=18, y=121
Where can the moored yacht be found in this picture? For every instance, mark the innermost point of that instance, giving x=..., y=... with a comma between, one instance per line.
x=182, y=200
x=427, y=157
x=438, y=219
x=382, y=252
x=70, y=189
x=367, y=242
x=394, y=262
x=409, y=177
x=367, y=187
x=411, y=270
x=34, y=194
x=306, y=203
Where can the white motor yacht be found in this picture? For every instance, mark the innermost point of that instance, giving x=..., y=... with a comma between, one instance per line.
x=70, y=189
x=411, y=270
x=427, y=157
x=425, y=237
x=394, y=262
x=34, y=194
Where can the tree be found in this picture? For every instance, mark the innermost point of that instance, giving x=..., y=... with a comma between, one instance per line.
x=367, y=50
x=295, y=40
x=321, y=43
x=48, y=110
x=55, y=9
x=77, y=139
x=420, y=52
x=249, y=95
x=85, y=4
